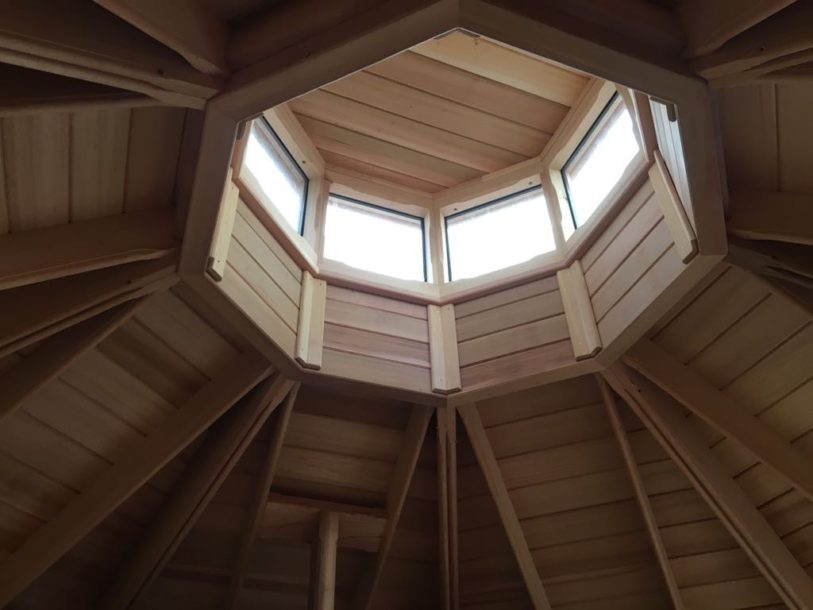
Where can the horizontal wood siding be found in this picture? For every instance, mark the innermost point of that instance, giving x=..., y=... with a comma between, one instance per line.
x=262, y=280
x=504, y=335
x=630, y=265
x=376, y=339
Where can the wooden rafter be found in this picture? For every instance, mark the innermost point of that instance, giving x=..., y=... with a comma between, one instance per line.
x=31, y=313
x=401, y=479
x=45, y=254
x=185, y=26
x=121, y=480
x=323, y=580
x=508, y=516
x=709, y=25
x=788, y=262
x=55, y=354
x=260, y=499
x=663, y=417
x=224, y=445
x=722, y=413
x=640, y=493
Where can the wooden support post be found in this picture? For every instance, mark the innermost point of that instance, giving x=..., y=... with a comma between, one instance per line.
x=451, y=492
x=444, y=561
x=722, y=413
x=260, y=499
x=641, y=494
x=39, y=255
x=311, y=327
x=32, y=313
x=508, y=516
x=581, y=321
x=663, y=416
x=443, y=354
x=401, y=479
x=121, y=480
x=323, y=585
x=673, y=211
x=224, y=226
x=224, y=446
x=51, y=357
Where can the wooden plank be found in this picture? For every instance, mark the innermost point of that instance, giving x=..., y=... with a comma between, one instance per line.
x=504, y=65
x=709, y=25
x=674, y=212
x=51, y=357
x=663, y=416
x=39, y=255
x=224, y=446
x=224, y=229
x=31, y=313
x=121, y=480
x=187, y=27
x=775, y=216
x=396, y=496
x=641, y=494
x=721, y=412
x=311, y=326
x=505, y=508
x=260, y=500
x=323, y=587
x=443, y=349
x=88, y=43
x=581, y=321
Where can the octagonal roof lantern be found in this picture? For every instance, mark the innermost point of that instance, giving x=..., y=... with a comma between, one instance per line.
x=457, y=202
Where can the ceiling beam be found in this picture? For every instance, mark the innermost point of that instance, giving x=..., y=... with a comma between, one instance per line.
x=396, y=496
x=31, y=313
x=770, y=215
x=709, y=25
x=323, y=579
x=55, y=354
x=39, y=255
x=640, y=493
x=112, y=487
x=85, y=42
x=259, y=502
x=223, y=447
x=663, y=416
x=508, y=516
x=788, y=262
x=722, y=413
x=788, y=32
x=186, y=26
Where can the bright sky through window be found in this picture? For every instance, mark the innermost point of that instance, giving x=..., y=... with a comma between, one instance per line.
x=374, y=239
x=280, y=179
x=600, y=162
x=498, y=235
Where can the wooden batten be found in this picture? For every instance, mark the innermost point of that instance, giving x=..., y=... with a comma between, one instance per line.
x=581, y=321
x=443, y=353
x=673, y=211
x=224, y=225
x=311, y=327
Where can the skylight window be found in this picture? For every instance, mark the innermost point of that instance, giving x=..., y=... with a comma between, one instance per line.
x=498, y=234
x=600, y=160
x=375, y=239
x=283, y=183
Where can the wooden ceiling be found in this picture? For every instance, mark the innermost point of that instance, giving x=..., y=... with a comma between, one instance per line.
x=120, y=454
x=450, y=110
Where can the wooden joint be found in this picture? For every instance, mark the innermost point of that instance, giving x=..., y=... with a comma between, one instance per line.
x=581, y=320
x=673, y=211
x=224, y=225
x=443, y=355
x=311, y=326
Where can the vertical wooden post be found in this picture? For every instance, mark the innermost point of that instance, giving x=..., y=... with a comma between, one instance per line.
x=323, y=591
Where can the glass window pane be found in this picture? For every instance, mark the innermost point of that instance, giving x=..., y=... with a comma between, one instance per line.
x=498, y=234
x=600, y=161
x=374, y=239
x=280, y=178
